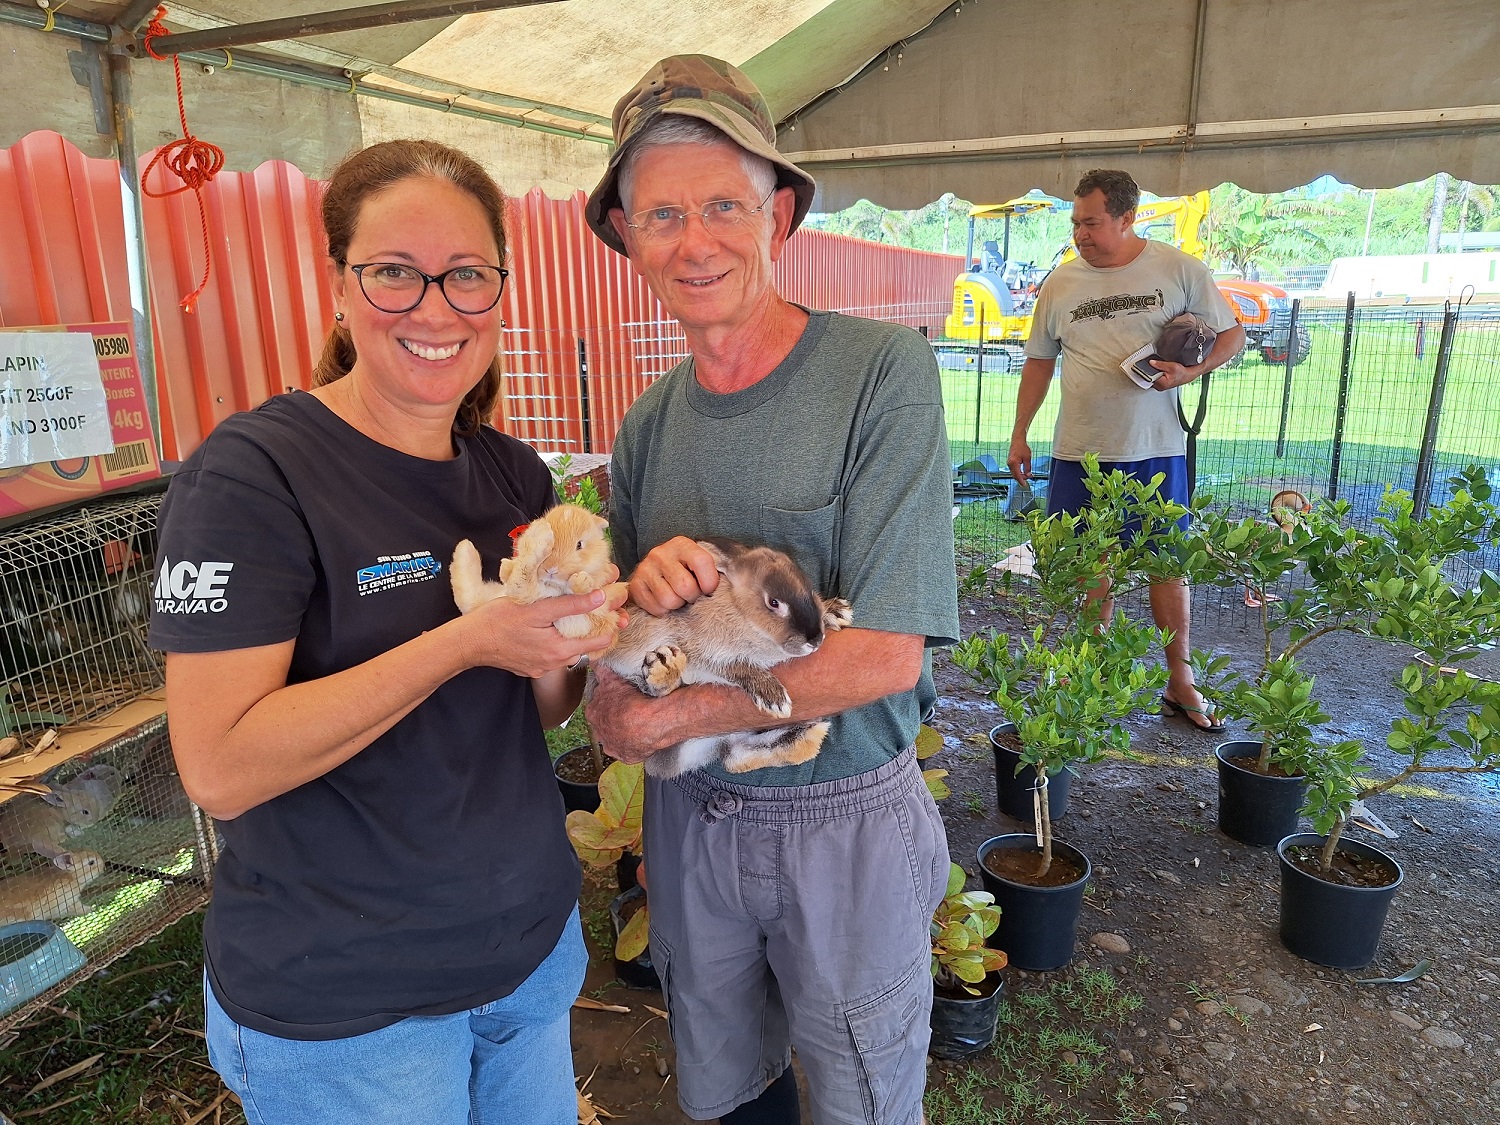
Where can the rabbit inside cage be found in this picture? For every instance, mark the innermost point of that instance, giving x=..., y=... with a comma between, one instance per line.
x=93, y=827
x=75, y=597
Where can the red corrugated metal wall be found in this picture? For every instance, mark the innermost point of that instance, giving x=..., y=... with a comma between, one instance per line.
x=62, y=241
x=260, y=324
x=572, y=303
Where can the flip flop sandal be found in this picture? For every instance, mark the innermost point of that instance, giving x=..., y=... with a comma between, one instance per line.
x=1171, y=709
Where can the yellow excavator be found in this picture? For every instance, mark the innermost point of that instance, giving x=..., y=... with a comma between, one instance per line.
x=993, y=300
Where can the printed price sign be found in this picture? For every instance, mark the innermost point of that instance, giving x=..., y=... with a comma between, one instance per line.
x=52, y=401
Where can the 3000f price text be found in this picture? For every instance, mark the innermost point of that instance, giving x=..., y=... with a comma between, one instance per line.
x=66, y=422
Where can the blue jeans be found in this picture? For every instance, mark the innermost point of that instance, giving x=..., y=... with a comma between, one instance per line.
x=508, y=1062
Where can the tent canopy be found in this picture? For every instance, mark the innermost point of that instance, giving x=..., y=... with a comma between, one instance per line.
x=897, y=101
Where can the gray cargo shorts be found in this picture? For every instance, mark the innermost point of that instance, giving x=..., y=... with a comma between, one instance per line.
x=798, y=916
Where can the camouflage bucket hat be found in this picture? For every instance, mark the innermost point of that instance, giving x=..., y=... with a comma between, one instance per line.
x=713, y=91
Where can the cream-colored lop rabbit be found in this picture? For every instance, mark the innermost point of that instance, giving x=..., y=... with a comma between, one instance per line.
x=763, y=612
x=46, y=893
x=563, y=552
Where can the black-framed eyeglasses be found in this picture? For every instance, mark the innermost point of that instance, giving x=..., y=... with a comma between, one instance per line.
x=393, y=287
x=666, y=224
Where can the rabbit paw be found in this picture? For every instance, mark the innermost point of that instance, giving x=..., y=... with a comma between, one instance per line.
x=769, y=695
x=662, y=669
x=837, y=614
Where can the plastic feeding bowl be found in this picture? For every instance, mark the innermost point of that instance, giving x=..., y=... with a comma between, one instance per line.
x=33, y=957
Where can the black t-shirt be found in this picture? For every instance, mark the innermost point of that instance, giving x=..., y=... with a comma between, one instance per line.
x=430, y=873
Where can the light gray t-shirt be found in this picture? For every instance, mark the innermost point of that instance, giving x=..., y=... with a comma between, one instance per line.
x=1097, y=317
x=840, y=457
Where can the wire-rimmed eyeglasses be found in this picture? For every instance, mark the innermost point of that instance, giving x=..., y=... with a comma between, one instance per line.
x=666, y=224
x=393, y=287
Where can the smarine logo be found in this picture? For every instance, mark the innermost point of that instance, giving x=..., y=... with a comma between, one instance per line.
x=391, y=571
x=192, y=587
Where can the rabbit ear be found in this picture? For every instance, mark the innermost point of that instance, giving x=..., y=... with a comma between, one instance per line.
x=721, y=560
x=65, y=860
x=52, y=797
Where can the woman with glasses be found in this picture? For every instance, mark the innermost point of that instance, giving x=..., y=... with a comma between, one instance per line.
x=394, y=934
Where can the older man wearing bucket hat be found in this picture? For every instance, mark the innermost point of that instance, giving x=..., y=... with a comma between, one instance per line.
x=789, y=905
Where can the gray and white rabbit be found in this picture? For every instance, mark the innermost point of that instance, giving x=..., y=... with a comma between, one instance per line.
x=43, y=894
x=763, y=612
x=43, y=824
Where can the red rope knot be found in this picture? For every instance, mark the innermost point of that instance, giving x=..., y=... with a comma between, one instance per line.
x=192, y=161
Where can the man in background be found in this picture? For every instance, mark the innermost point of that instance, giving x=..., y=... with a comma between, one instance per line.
x=1095, y=310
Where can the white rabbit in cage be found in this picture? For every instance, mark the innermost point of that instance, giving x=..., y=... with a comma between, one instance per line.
x=39, y=895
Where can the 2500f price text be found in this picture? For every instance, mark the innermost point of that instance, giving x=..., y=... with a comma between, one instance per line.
x=16, y=396
x=66, y=423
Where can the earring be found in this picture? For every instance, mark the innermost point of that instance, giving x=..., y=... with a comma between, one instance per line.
x=338, y=316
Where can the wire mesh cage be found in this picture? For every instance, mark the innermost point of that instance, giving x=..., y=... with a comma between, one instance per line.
x=75, y=599
x=96, y=856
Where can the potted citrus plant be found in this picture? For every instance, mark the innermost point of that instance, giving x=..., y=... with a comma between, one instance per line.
x=966, y=984
x=1262, y=779
x=1335, y=892
x=1066, y=688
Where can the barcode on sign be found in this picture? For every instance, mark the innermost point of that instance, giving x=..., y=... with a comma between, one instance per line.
x=126, y=459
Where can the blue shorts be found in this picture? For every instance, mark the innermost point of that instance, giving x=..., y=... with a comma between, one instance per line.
x=1066, y=491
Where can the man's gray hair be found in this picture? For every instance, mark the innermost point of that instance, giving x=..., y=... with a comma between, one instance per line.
x=1121, y=195
x=676, y=129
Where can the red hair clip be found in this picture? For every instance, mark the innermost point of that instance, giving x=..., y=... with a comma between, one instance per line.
x=517, y=532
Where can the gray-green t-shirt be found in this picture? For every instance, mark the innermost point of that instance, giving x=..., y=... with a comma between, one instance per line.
x=1097, y=317
x=840, y=457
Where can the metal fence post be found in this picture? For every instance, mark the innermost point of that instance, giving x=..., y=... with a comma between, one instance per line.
x=1423, y=484
x=583, y=394
x=1341, y=412
x=978, y=380
x=1286, y=384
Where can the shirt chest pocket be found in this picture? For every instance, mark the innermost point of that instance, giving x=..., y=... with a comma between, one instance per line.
x=811, y=537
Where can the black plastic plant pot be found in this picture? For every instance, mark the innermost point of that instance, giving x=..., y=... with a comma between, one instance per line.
x=625, y=871
x=1255, y=808
x=1327, y=923
x=1013, y=794
x=577, y=796
x=963, y=1025
x=1038, y=925
x=639, y=973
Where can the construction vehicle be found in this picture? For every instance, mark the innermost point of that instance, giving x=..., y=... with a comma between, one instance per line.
x=985, y=296
x=994, y=297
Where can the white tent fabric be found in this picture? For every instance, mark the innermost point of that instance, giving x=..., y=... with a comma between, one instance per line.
x=996, y=98
x=983, y=98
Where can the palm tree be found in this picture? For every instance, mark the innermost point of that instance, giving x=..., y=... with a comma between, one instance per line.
x=1244, y=229
x=1435, y=214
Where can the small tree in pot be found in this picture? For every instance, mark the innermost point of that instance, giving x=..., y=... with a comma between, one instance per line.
x=1069, y=683
x=1067, y=686
x=1262, y=783
x=1451, y=723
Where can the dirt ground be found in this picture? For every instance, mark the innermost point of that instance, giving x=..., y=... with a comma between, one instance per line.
x=1232, y=1029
